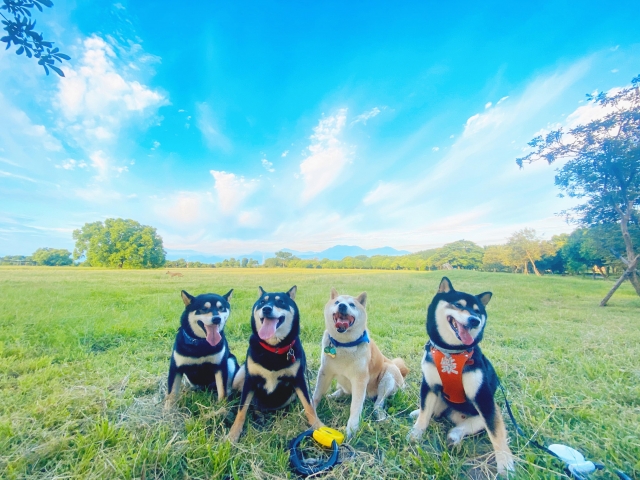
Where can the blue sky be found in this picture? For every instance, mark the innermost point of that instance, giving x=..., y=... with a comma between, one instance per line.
x=235, y=127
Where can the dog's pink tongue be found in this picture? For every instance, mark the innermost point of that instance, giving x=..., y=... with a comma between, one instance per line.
x=268, y=328
x=213, y=335
x=342, y=324
x=464, y=335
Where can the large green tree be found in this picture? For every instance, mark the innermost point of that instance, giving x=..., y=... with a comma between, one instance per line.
x=460, y=254
x=602, y=168
x=119, y=243
x=52, y=257
x=525, y=247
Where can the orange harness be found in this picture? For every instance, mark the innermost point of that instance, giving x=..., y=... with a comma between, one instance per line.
x=450, y=366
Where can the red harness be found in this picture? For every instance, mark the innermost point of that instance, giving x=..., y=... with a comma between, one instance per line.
x=288, y=349
x=450, y=366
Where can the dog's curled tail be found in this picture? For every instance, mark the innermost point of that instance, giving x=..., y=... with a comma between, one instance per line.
x=398, y=362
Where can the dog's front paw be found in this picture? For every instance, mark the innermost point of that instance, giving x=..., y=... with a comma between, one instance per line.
x=455, y=436
x=381, y=415
x=352, y=427
x=505, y=463
x=415, y=413
x=415, y=434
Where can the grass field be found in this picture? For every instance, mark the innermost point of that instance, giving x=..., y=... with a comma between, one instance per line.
x=84, y=355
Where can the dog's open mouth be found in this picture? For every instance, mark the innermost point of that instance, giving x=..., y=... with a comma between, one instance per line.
x=269, y=327
x=343, y=321
x=460, y=330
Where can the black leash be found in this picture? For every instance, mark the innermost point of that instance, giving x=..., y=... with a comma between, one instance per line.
x=577, y=476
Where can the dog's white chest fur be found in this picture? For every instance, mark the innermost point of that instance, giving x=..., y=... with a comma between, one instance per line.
x=184, y=360
x=271, y=378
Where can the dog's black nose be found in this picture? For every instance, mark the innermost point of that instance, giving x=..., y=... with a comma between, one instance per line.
x=473, y=322
x=267, y=311
x=216, y=320
x=342, y=308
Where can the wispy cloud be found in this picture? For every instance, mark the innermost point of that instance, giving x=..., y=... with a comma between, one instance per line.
x=232, y=190
x=210, y=130
x=18, y=177
x=268, y=166
x=327, y=155
x=363, y=117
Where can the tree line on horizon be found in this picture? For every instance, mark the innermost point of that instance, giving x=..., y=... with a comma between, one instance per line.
x=122, y=243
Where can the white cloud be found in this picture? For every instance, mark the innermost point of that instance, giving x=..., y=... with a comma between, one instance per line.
x=97, y=100
x=435, y=149
x=156, y=144
x=285, y=153
x=615, y=70
x=208, y=126
x=232, y=190
x=502, y=100
x=268, y=166
x=71, y=164
x=101, y=164
x=328, y=155
x=363, y=117
x=183, y=208
x=487, y=105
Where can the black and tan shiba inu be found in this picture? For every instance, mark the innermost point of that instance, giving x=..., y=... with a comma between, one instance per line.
x=274, y=372
x=201, y=352
x=351, y=356
x=458, y=381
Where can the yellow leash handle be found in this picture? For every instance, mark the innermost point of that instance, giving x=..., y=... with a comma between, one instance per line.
x=325, y=436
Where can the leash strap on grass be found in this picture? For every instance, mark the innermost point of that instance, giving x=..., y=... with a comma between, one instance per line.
x=568, y=470
x=306, y=467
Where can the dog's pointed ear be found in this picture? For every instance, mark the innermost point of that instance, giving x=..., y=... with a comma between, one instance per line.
x=334, y=293
x=445, y=286
x=228, y=295
x=260, y=291
x=292, y=292
x=186, y=298
x=362, y=299
x=485, y=297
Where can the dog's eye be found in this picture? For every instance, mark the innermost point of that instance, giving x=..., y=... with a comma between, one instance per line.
x=352, y=305
x=457, y=305
x=337, y=302
x=222, y=309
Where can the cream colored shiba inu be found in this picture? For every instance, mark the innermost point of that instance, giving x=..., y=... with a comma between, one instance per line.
x=354, y=360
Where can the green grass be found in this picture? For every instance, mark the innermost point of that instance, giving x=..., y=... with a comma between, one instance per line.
x=84, y=356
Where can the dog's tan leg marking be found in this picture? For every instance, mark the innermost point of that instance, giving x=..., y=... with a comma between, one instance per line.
x=220, y=386
x=424, y=417
x=238, y=380
x=322, y=385
x=238, y=424
x=172, y=396
x=309, y=410
x=464, y=426
x=358, y=394
x=386, y=387
x=504, y=458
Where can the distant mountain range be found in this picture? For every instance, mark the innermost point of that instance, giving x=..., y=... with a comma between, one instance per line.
x=337, y=252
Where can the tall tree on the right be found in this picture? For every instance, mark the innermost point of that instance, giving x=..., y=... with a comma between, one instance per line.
x=603, y=168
